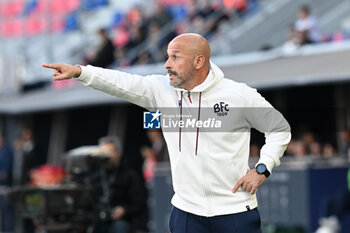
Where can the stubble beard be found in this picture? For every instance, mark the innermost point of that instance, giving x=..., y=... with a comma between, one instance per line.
x=181, y=78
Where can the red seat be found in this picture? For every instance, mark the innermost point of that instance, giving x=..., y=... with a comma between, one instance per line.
x=14, y=7
x=11, y=27
x=57, y=6
x=43, y=6
x=73, y=5
x=64, y=6
x=57, y=23
x=35, y=24
x=2, y=8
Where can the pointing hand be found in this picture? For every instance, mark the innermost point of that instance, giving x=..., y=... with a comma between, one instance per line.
x=63, y=71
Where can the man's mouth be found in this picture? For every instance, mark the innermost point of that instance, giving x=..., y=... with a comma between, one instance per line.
x=172, y=73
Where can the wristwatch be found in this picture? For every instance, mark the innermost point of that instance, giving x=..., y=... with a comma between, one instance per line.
x=262, y=169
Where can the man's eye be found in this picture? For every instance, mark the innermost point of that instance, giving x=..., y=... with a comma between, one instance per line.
x=175, y=57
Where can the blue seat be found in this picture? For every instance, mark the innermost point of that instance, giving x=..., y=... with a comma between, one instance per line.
x=30, y=6
x=178, y=12
x=117, y=19
x=72, y=22
x=90, y=5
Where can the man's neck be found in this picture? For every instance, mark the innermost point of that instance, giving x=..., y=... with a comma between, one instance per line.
x=198, y=80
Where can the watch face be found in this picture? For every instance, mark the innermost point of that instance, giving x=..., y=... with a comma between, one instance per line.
x=261, y=168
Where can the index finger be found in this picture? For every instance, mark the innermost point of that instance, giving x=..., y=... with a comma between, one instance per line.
x=238, y=184
x=51, y=66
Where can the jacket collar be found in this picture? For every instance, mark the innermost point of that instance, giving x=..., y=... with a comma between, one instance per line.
x=215, y=75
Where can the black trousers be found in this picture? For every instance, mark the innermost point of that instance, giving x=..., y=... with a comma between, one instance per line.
x=245, y=222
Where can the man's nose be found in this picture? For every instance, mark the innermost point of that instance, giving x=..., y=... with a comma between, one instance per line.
x=167, y=64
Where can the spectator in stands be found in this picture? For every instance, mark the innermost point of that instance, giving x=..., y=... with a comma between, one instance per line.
x=337, y=208
x=295, y=39
x=161, y=16
x=126, y=198
x=158, y=41
x=149, y=163
x=158, y=145
x=137, y=36
x=219, y=17
x=290, y=147
x=239, y=5
x=155, y=39
x=307, y=26
x=158, y=152
x=29, y=153
x=329, y=150
x=105, y=54
x=204, y=9
x=346, y=139
x=120, y=58
x=29, y=157
x=299, y=148
x=144, y=57
x=6, y=164
x=315, y=149
x=308, y=138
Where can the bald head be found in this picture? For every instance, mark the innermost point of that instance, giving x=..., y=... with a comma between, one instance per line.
x=189, y=60
x=195, y=44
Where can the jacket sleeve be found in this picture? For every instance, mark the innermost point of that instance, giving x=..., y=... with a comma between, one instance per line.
x=133, y=88
x=261, y=115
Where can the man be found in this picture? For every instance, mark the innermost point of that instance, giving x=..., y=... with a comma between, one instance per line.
x=307, y=26
x=105, y=54
x=214, y=187
x=6, y=164
x=120, y=191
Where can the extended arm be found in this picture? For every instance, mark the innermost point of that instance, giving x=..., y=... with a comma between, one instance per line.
x=133, y=88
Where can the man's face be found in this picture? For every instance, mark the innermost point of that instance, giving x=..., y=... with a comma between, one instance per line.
x=179, y=64
x=113, y=154
x=302, y=14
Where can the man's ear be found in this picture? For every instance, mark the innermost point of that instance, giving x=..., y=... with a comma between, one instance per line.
x=198, y=62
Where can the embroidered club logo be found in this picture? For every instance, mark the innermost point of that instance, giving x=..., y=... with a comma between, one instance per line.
x=221, y=109
x=151, y=120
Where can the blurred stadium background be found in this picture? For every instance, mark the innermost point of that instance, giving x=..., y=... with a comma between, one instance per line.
x=252, y=41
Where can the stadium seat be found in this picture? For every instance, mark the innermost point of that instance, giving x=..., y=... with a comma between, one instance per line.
x=73, y=5
x=42, y=6
x=58, y=6
x=89, y=5
x=35, y=25
x=117, y=19
x=64, y=6
x=178, y=12
x=171, y=2
x=71, y=22
x=2, y=8
x=12, y=27
x=57, y=23
x=12, y=8
x=30, y=7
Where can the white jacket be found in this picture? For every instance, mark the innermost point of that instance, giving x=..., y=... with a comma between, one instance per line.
x=205, y=166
